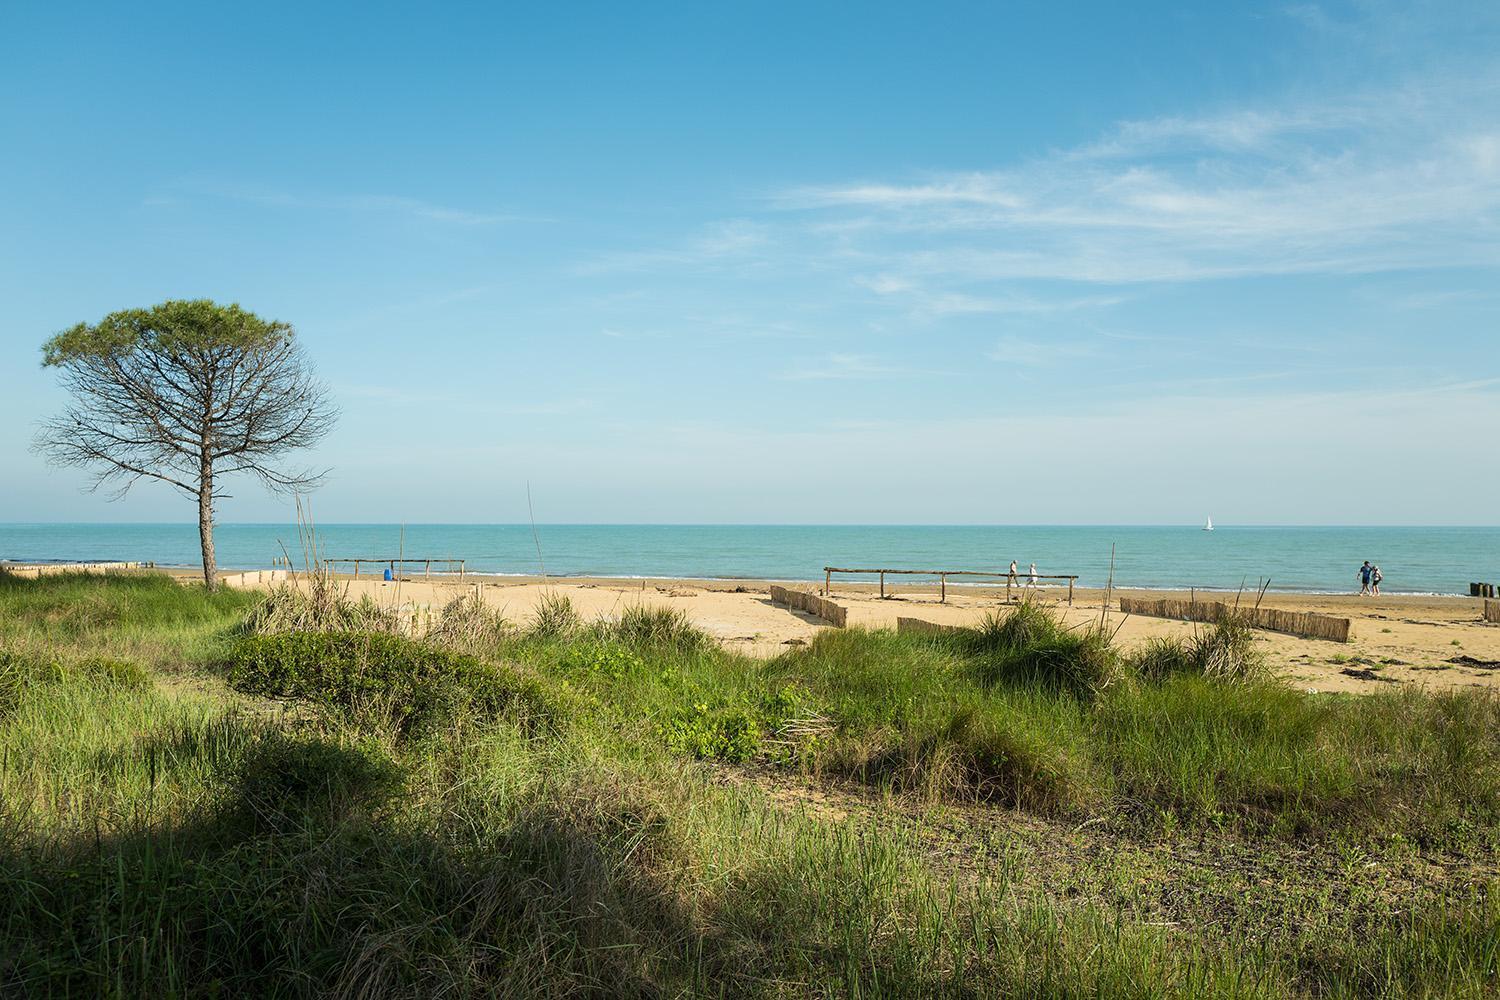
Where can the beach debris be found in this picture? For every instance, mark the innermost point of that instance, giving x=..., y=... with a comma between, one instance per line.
x=794, y=642
x=1465, y=660
x=1366, y=674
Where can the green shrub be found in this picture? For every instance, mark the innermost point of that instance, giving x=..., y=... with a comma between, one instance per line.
x=409, y=682
x=603, y=659
x=731, y=734
x=1032, y=644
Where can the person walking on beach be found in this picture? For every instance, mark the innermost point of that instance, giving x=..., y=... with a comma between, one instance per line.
x=1364, y=579
x=1033, y=576
x=1375, y=577
x=1013, y=579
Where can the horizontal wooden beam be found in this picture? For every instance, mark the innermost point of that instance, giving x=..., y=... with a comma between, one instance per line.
x=1001, y=575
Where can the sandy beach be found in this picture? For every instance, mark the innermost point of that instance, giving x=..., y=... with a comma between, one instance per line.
x=1435, y=642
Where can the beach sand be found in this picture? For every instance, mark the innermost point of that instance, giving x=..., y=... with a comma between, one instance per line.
x=1434, y=642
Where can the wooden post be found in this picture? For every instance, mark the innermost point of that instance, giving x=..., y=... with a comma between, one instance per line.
x=426, y=569
x=1007, y=590
x=942, y=588
x=461, y=564
x=356, y=569
x=827, y=580
x=882, y=584
x=1070, y=591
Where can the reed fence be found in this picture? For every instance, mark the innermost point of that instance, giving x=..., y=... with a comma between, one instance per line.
x=1300, y=623
x=922, y=627
x=814, y=605
x=1492, y=611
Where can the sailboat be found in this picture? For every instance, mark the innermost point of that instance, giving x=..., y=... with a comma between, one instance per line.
x=1208, y=525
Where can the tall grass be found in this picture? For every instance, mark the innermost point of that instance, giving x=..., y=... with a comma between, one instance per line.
x=189, y=840
x=146, y=617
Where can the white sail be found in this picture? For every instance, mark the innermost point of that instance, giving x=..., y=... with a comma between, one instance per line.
x=1209, y=525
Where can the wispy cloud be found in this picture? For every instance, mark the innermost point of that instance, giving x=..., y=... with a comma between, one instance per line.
x=1036, y=353
x=1408, y=178
x=844, y=366
x=730, y=241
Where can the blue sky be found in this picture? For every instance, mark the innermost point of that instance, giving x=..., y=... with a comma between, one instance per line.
x=974, y=263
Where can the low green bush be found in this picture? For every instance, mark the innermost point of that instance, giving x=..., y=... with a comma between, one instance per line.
x=408, y=682
x=728, y=733
x=603, y=659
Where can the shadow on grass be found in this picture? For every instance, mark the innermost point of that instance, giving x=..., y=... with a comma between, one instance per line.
x=307, y=877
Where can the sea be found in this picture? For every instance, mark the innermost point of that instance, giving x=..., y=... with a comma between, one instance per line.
x=1443, y=560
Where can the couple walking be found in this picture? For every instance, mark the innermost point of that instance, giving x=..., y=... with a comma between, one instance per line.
x=1015, y=573
x=1369, y=580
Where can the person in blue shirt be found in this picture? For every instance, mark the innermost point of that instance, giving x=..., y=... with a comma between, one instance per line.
x=389, y=576
x=1364, y=578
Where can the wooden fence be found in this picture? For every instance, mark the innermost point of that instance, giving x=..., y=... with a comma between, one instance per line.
x=814, y=605
x=452, y=565
x=1302, y=623
x=1483, y=590
x=1018, y=580
x=1492, y=611
x=925, y=627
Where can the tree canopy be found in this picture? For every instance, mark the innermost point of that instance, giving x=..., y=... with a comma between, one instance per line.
x=185, y=392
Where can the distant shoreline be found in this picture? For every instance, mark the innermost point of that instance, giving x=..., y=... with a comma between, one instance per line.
x=893, y=584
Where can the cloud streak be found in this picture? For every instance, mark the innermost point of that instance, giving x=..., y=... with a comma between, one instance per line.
x=1402, y=180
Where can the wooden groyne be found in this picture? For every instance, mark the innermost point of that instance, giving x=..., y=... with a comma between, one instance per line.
x=814, y=605
x=32, y=571
x=1492, y=611
x=255, y=578
x=1301, y=623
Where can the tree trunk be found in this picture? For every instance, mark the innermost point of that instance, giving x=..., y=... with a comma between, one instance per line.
x=206, y=527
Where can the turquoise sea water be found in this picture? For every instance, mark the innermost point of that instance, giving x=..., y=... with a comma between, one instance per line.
x=1414, y=560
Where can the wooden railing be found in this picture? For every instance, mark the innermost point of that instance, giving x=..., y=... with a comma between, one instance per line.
x=1017, y=580
x=426, y=564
